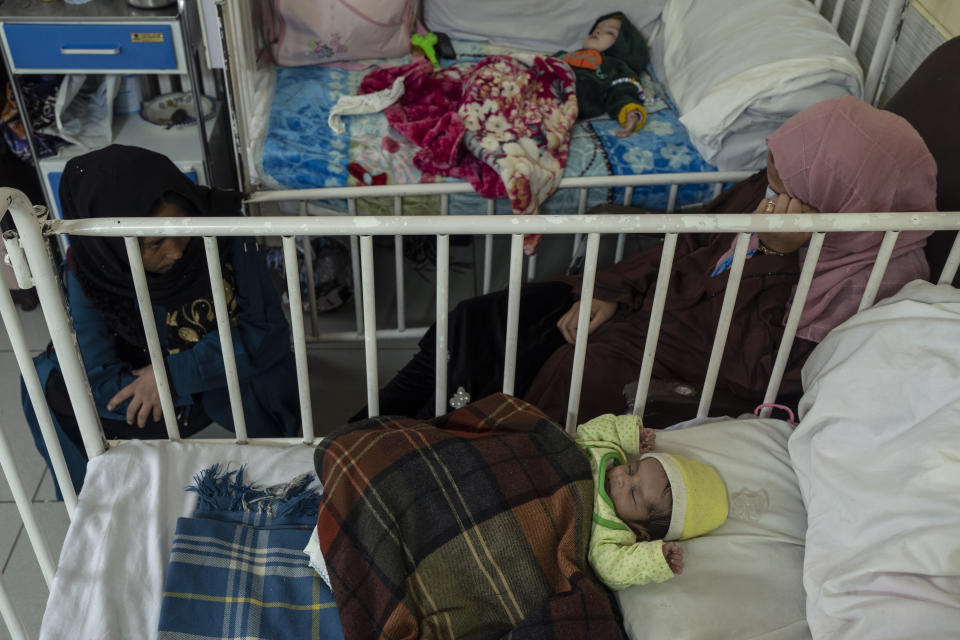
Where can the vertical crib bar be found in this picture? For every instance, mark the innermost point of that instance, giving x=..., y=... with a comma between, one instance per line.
x=513, y=314
x=953, y=262
x=888, y=62
x=14, y=626
x=311, y=290
x=723, y=326
x=531, y=268
x=370, y=324
x=818, y=4
x=488, y=249
x=398, y=268
x=153, y=340
x=879, y=267
x=226, y=337
x=861, y=22
x=11, y=320
x=793, y=321
x=717, y=188
x=299, y=340
x=24, y=506
x=443, y=277
x=581, y=209
x=444, y=204
x=672, y=198
x=583, y=322
x=881, y=52
x=656, y=318
x=622, y=237
x=355, y=265
x=838, y=13
x=28, y=222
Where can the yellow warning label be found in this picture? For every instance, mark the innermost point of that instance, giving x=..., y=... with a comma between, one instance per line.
x=146, y=37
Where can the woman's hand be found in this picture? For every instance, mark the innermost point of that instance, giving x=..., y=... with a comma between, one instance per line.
x=784, y=242
x=673, y=554
x=144, y=395
x=600, y=312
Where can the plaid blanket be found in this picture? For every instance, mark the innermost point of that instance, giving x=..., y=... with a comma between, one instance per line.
x=474, y=524
x=237, y=568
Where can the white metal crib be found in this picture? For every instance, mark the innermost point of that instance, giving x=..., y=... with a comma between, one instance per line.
x=245, y=73
x=32, y=261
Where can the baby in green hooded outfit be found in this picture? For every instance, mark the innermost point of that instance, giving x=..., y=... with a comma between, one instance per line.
x=608, y=69
x=645, y=501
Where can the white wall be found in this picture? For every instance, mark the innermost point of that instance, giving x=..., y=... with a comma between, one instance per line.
x=944, y=14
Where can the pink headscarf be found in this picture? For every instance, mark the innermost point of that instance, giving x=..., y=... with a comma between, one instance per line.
x=843, y=155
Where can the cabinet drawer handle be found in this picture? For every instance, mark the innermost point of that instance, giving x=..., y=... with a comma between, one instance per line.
x=72, y=51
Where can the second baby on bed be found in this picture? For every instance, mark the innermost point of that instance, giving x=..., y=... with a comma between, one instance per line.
x=607, y=68
x=644, y=501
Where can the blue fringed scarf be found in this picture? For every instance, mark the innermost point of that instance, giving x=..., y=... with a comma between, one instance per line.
x=237, y=567
x=220, y=490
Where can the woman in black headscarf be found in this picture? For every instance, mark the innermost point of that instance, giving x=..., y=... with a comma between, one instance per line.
x=120, y=181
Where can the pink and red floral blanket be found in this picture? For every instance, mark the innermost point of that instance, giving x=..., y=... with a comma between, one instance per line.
x=502, y=124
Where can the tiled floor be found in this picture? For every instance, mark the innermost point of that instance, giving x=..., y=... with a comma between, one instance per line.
x=337, y=389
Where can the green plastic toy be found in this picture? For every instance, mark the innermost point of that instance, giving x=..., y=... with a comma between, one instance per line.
x=427, y=43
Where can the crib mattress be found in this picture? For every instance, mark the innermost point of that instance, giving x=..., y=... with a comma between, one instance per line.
x=117, y=549
x=301, y=151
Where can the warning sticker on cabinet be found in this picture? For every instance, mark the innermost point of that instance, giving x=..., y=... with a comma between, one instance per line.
x=146, y=37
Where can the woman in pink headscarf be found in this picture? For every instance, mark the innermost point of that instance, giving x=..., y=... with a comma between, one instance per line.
x=840, y=155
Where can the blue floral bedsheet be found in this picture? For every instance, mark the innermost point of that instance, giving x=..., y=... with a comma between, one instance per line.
x=301, y=151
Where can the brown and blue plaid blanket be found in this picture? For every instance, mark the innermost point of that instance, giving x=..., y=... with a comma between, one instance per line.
x=474, y=524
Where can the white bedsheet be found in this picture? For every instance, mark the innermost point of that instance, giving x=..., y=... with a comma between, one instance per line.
x=742, y=580
x=109, y=580
x=877, y=455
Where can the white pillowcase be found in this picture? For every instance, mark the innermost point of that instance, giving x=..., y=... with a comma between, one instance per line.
x=877, y=455
x=743, y=580
x=545, y=25
x=737, y=69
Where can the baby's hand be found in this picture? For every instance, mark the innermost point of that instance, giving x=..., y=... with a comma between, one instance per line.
x=630, y=124
x=647, y=439
x=673, y=554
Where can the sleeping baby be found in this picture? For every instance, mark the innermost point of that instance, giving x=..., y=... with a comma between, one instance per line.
x=644, y=502
x=608, y=69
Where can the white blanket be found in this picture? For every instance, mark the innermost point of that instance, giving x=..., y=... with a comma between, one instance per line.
x=737, y=69
x=877, y=455
x=109, y=580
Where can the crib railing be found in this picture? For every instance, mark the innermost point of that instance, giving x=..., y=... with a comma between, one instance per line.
x=397, y=193
x=33, y=262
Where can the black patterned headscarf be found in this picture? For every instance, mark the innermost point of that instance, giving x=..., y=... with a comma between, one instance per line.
x=121, y=182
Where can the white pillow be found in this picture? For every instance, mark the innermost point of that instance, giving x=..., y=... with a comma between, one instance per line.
x=877, y=456
x=746, y=66
x=545, y=25
x=742, y=580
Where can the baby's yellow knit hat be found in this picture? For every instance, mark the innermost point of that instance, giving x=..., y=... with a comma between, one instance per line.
x=699, y=496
